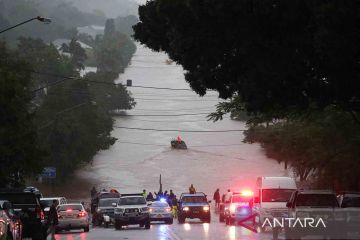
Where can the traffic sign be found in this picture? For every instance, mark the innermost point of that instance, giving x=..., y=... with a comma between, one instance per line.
x=49, y=172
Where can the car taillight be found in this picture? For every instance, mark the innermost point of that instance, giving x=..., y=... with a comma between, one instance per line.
x=82, y=214
x=39, y=213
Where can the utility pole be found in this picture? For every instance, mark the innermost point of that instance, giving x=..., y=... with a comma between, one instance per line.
x=160, y=190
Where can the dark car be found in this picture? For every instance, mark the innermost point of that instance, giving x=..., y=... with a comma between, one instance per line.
x=105, y=211
x=10, y=224
x=194, y=206
x=28, y=209
x=102, y=195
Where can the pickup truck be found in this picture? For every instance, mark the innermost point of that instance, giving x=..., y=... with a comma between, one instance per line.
x=316, y=212
x=27, y=207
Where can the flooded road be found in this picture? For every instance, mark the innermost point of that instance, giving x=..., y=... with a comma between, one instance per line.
x=213, y=159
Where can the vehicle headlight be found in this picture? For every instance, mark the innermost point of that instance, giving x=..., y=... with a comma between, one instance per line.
x=119, y=210
x=206, y=208
x=98, y=210
x=186, y=209
x=302, y=214
x=144, y=209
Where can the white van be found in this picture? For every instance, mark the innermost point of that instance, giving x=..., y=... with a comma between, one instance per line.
x=270, y=197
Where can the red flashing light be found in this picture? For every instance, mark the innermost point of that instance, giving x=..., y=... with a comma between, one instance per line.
x=247, y=193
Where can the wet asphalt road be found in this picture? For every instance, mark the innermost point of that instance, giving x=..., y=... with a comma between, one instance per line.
x=191, y=230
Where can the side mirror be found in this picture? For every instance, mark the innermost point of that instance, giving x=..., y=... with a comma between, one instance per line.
x=114, y=204
x=288, y=205
x=256, y=200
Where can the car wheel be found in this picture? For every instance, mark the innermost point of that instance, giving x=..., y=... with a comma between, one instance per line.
x=87, y=229
x=181, y=220
x=170, y=221
x=221, y=218
x=147, y=225
x=207, y=220
x=141, y=225
x=106, y=225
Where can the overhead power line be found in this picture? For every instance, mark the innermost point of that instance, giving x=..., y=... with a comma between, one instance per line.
x=163, y=145
x=175, y=130
x=165, y=115
x=109, y=83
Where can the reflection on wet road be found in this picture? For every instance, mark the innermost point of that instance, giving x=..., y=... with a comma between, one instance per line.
x=191, y=230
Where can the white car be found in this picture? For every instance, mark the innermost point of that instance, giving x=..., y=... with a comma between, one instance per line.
x=72, y=216
x=47, y=202
x=161, y=211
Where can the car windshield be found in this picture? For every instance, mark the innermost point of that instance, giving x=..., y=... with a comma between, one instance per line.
x=351, y=201
x=107, y=202
x=48, y=202
x=276, y=195
x=160, y=204
x=240, y=199
x=193, y=199
x=132, y=201
x=77, y=207
x=316, y=200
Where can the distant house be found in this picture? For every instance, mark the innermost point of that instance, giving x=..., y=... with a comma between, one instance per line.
x=59, y=42
x=92, y=30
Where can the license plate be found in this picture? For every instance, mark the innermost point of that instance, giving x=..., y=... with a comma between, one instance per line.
x=196, y=212
x=131, y=214
x=159, y=216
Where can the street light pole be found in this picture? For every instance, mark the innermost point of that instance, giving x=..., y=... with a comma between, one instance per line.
x=41, y=19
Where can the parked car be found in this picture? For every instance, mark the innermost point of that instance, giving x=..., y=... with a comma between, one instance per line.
x=47, y=202
x=320, y=205
x=160, y=211
x=72, y=216
x=27, y=207
x=10, y=224
x=350, y=204
x=194, y=206
x=105, y=212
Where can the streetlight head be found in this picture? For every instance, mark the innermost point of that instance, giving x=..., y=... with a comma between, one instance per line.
x=44, y=20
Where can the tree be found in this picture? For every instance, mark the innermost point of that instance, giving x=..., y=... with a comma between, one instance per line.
x=78, y=54
x=275, y=56
x=20, y=155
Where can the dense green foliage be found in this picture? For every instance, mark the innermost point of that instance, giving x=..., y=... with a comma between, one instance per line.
x=19, y=153
x=293, y=66
x=322, y=146
x=277, y=56
x=68, y=119
x=113, y=50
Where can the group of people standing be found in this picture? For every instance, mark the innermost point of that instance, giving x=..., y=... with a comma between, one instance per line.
x=224, y=198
